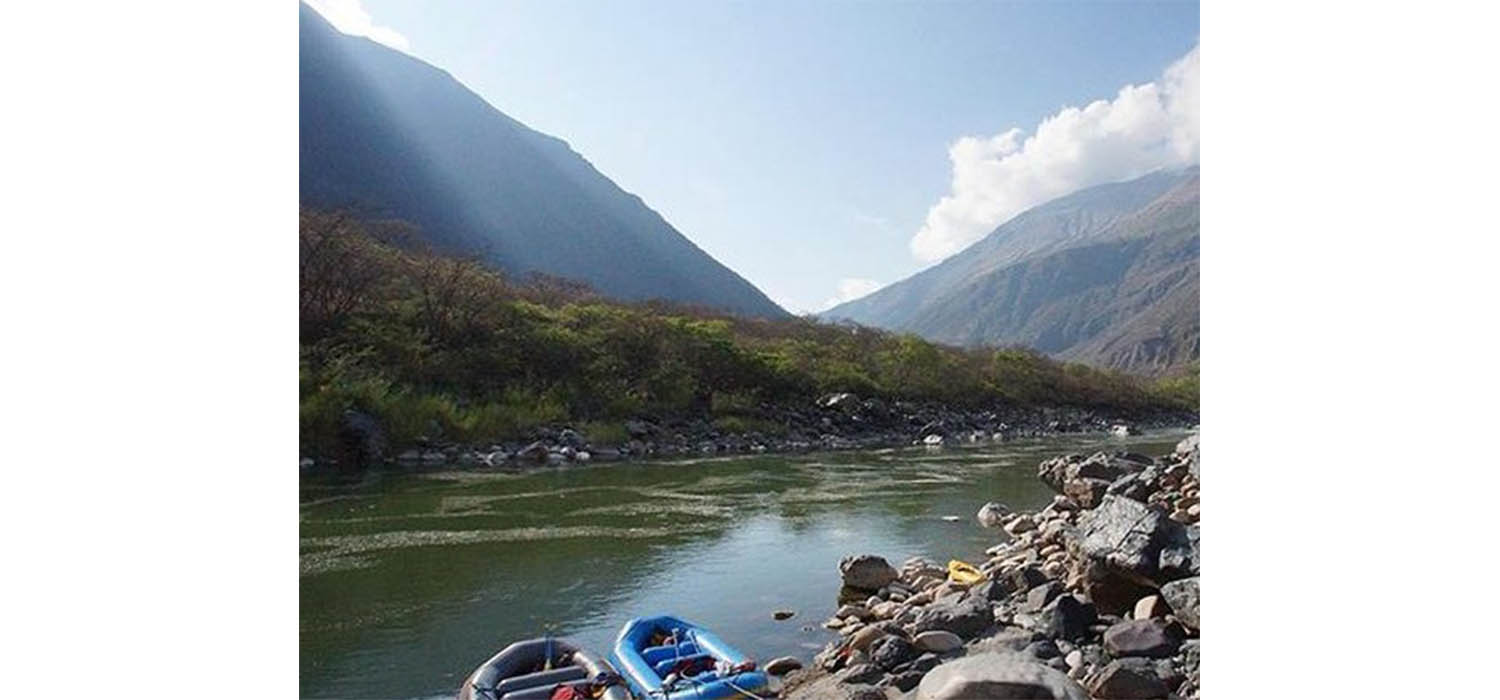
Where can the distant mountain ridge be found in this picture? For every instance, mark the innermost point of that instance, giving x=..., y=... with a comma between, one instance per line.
x=1107, y=276
x=384, y=132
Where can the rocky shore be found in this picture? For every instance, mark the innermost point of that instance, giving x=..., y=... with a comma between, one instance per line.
x=834, y=422
x=1094, y=596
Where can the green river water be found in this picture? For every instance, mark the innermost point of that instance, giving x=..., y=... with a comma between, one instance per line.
x=409, y=580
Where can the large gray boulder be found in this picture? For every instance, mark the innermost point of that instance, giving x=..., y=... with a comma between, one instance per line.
x=1128, y=538
x=997, y=676
x=1103, y=466
x=866, y=571
x=965, y=618
x=991, y=514
x=1182, y=597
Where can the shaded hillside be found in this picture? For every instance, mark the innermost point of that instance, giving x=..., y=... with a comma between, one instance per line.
x=434, y=345
x=394, y=137
x=1106, y=276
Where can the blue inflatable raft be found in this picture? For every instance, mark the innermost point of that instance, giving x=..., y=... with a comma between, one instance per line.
x=665, y=658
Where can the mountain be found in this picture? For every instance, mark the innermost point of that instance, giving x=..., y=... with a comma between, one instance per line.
x=1107, y=276
x=389, y=135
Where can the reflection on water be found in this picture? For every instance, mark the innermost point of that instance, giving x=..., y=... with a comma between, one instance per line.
x=410, y=580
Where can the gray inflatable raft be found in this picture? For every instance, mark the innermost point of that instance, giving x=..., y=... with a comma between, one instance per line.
x=521, y=672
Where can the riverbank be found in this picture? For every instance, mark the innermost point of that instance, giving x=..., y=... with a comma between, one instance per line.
x=840, y=421
x=1093, y=596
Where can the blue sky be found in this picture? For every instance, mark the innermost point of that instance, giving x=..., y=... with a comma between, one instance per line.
x=822, y=149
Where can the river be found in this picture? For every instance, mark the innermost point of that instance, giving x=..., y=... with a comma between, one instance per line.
x=410, y=579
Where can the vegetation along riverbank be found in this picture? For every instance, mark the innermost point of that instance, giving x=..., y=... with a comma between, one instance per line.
x=409, y=354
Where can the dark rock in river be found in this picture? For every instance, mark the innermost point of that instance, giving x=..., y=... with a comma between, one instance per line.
x=997, y=676
x=866, y=572
x=361, y=440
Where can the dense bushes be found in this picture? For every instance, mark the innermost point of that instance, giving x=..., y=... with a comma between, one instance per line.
x=445, y=347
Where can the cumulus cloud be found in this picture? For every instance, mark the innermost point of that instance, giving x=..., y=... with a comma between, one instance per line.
x=849, y=289
x=1144, y=128
x=351, y=17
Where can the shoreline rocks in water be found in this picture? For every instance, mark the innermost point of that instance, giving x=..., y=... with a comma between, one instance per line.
x=835, y=422
x=1089, y=598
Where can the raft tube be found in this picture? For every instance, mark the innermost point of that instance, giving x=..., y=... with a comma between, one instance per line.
x=521, y=672
x=650, y=650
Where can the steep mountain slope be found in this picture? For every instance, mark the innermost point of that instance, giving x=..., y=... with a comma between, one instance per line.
x=390, y=135
x=1107, y=276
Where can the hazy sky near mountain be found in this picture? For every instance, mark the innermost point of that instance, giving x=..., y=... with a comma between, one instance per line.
x=824, y=149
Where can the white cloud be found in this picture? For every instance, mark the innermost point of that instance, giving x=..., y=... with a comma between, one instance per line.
x=351, y=17
x=1144, y=128
x=849, y=289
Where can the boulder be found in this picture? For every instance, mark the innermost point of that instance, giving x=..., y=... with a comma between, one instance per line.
x=1067, y=617
x=782, y=665
x=1128, y=679
x=1128, y=537
x=992, y=591
x=1026, y=578
x=903, y=681
x=1136, y=486
x=938, y=641
x=990, y=514
x=1151, y=638
x=1182, y=597
x=867, y=572
x=535, y=452
x=890, y=652
x=1038, y=597
x=1043, y=649
x=1180, y=557
x=569, y=437
x=865, y=637
x=1054, y=471
x=1020, y=523
x=965, y=618
x=361, y=441
x=997, y=676
x=861, y=674
x=1102, y=465
x=926, y=662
